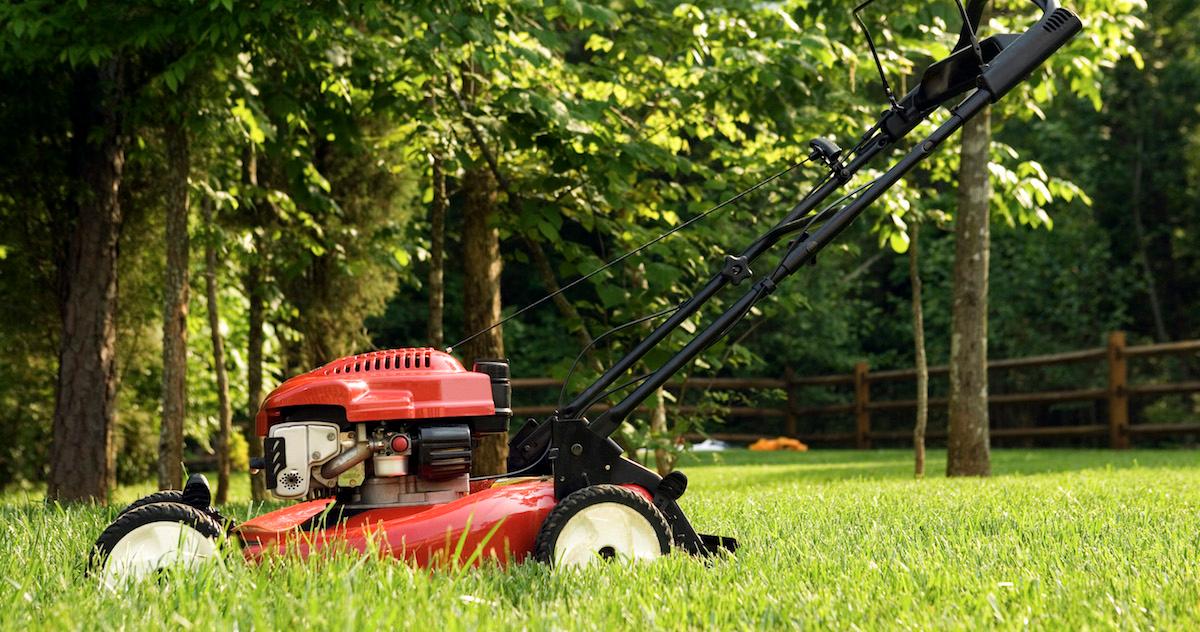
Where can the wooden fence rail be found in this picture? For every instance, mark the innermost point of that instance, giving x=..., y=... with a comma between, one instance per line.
x=1116, y=395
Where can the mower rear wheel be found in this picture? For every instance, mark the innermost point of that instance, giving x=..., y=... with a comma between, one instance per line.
x=602, y=522
x=151, y=538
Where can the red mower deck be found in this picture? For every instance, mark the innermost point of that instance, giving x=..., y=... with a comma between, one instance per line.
x=498, y=523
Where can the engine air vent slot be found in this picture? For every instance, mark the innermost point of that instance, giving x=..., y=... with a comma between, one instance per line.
x=392, y=360
x=1056, y=20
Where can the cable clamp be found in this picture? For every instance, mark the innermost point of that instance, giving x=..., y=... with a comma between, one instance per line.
x=827, y=150
x=737, y=269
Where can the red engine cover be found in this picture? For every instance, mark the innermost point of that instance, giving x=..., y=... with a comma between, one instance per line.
x=385, y=385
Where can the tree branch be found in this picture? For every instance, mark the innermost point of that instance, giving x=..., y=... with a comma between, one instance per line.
x=540, y=260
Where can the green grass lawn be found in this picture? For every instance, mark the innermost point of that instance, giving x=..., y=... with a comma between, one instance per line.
x=839, y=540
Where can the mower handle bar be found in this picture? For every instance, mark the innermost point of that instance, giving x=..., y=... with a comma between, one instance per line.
x=1011, y=59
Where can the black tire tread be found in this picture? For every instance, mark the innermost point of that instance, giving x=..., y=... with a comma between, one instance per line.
x=157, y=512
x=161, y=496
x=543, y=546
x=176, y=496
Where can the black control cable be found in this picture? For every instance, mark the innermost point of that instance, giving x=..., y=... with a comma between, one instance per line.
x=562, y=393
x=741, y=194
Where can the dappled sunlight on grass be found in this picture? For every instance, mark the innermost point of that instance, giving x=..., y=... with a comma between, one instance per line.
x=892, y=464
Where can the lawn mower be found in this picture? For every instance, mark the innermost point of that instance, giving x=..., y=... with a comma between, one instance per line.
x=377, y=448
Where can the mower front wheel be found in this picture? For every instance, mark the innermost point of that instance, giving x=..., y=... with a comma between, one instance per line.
x=150, y=538
x=195, y=494
x=602, y=522
x=161, y=496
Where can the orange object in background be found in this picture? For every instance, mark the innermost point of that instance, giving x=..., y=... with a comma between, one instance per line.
x=778, y=443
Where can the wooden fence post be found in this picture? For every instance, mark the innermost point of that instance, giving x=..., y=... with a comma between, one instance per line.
x=789, y=386
x=1118, y=392
x=862, y=416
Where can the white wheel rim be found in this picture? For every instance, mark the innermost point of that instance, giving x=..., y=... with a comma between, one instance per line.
x=154, y=546
x=605, y=530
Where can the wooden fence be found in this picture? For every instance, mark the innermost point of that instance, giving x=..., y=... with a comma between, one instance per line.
x=1116, y=395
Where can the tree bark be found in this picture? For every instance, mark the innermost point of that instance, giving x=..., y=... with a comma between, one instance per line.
x=664, y=460
x=481, y=296
x=540, y=260
x=224, y=409
x=175, y=309
x=969, y=446
x=437, y=250
x=254, y=339
x=254, y=372
x=1139, y=228
x=550, y=280
x=81, y=459
x=922, y=363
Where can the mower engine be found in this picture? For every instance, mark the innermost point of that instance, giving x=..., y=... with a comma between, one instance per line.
x=382, y=429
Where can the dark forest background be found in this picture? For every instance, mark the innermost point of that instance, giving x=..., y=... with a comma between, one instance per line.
x=317, y=179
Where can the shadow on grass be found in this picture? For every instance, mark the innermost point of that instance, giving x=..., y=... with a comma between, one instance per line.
x=833, y=465
x=741, y=468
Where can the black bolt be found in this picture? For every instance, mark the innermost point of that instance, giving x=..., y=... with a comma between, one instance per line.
x=576, y=449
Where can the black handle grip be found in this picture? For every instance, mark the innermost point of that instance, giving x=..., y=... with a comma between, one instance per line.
x=1057, y=26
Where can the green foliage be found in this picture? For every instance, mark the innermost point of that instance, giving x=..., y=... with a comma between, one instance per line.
x=609, y=122
x=329, y=202
x=1148, y=129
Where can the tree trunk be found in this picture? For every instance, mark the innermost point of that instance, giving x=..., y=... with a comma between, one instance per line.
x=969, y=447
x=437, y=249
x=664, y=460
x=224, y=409
x=175, y=310
x=540, y=260
x=565, y=307
x=1143, y=255
x=254, y=339
x=254, y=371
x=81, y=459
x=481, y=296
x=922, y=364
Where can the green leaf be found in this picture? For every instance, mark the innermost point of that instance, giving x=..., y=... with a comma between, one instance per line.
x=610, y=295
x=598, y=42
x=1043, y=194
